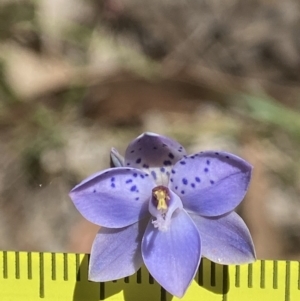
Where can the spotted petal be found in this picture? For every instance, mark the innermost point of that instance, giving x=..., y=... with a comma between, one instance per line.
x=211, y=183
x=116, y=253
x=172, y=257
x=152, y=150
x=225, y=239
x=115, y=198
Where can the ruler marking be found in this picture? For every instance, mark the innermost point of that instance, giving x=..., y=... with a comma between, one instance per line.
x=139, y=276
x=262, y=274
x=65, y=267
x=29, y=265
x=275, y=274
x=77, y=267
x=225, y=283
x=200, y=274
x=42, y=283
x=5, y=271
x=213, y=274
x=163, y=294
x=237, y=275
x=53, y=266
x=17, y=265
x=265, y=268
x=287, y=280
x=250, y=275
x=102, y=290
x=151, y=279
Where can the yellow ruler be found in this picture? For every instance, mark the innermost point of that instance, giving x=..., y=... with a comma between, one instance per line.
x=29, y=276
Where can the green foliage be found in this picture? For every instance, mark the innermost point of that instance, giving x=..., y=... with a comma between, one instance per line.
x=269, y=111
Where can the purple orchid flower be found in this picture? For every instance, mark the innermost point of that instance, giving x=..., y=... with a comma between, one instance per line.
x=166, y=209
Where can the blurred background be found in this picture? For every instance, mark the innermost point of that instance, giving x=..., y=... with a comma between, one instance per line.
x=80, y=76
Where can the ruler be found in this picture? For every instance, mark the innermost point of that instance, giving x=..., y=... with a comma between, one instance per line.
x=33, y=276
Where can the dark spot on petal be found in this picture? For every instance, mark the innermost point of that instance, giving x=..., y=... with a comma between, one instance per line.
x=184, y=181
x=138, y=160
x=182, y=162
x=137, y=198
x=135, y=175
x=167, y=163
x=146, y=175
x=197, y=179
x=182, y=191
x=113, y=185
x=206, y=169
x=176, y=187
x=180, y=150
x=132, y=151
x=139, y=141
x=185, y=156
x=133, y=188
x=217, y=153
x=173, y=171
x=153, y=173
x=227, y=157
x=207, y=162
x=167, y=173
x=193, y=185
x=162, y=169
x=192, y=157
x=129, y=181
x=94, y=191
x=140, y=149
x=171, y=180
x=146, y=166
x=171, y=156
x=128, y=164
x=154, y=147
x=212, y=182
x=142, y=176
x=112, y=179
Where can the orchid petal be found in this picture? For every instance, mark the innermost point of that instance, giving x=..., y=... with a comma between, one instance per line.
x=116, y=253
x=210, y=183
x=172, y=257
x=225, y=239
x=153, y=150
x=155, y=154
x=115, y=198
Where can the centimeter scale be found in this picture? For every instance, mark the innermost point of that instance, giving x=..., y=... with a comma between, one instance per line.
x=30, y=276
